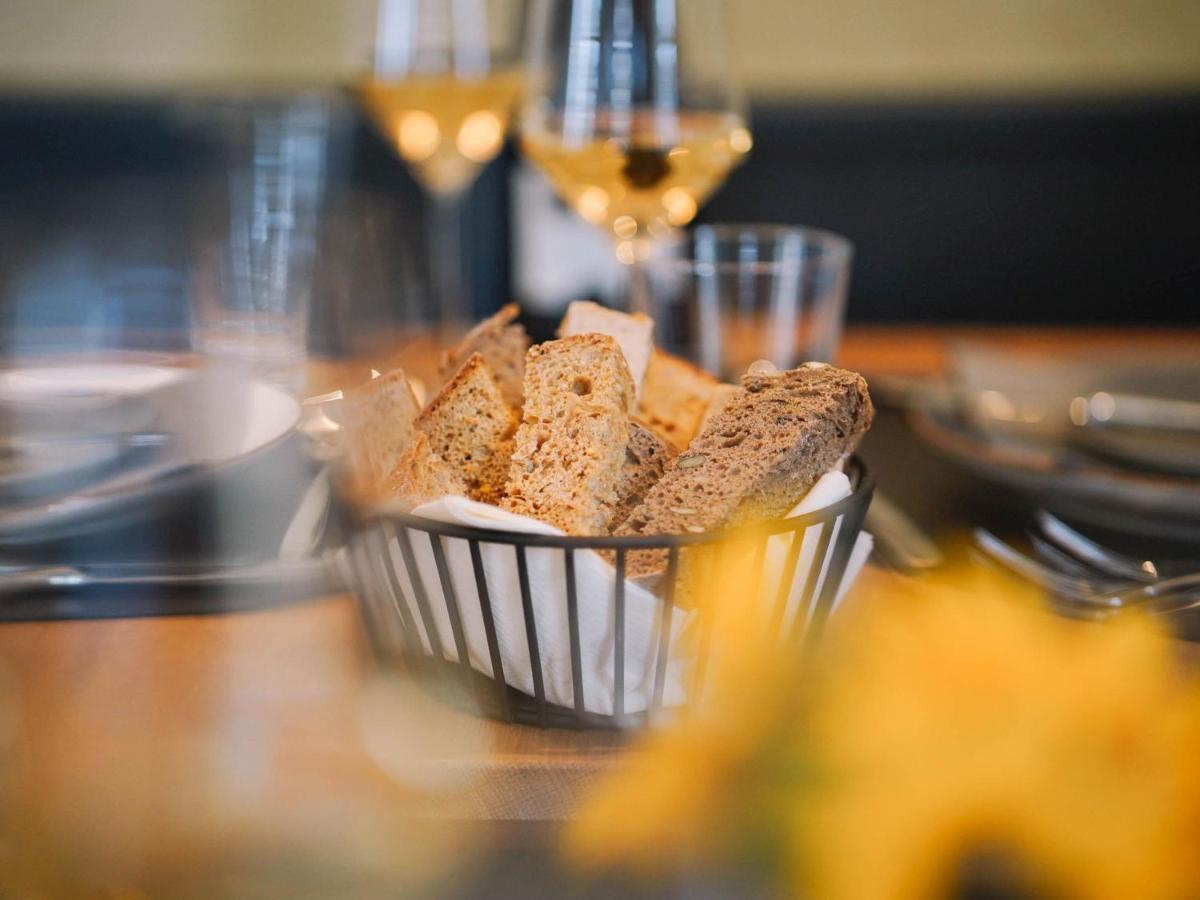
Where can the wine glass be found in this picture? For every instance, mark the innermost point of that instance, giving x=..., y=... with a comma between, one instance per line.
x=632, y=114
x=445, y=81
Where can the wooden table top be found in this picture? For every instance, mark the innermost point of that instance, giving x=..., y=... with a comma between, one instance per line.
x=144, y=739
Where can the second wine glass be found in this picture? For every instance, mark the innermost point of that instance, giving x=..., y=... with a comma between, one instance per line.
x=632, y=115
x=445, y=81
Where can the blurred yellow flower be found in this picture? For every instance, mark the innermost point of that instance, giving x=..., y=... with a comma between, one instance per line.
x=961, y=730
x=951, y=733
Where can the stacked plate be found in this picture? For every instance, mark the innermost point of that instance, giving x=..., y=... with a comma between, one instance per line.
x=1114, y=443
x=134, y=475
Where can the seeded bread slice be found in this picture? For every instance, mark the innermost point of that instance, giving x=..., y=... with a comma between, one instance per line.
x=646, y=457
x=502, y=343
x=380, y=418
x=421, y=475
x=570, y=446
x=757, y=458
x=634, y=333
x=720, y=398
x=675, y=395
x=471, y=428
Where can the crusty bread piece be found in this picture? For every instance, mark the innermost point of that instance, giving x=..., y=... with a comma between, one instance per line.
x=421, y=475
x=646, y=457
x=674, y=396
x=502, y=343
x=634, y=333
x=720, y=398
x=471, y=428
x=778, y=435
x=571, y=443
x=379, y=421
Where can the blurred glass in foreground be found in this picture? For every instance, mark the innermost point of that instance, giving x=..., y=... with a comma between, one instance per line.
x=253, y=274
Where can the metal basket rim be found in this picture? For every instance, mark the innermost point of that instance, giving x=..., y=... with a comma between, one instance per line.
x=862, y=488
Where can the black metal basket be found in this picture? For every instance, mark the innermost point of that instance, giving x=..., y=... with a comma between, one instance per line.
x=418, y=612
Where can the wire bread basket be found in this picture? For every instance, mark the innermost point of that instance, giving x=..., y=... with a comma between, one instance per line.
x=545, y=629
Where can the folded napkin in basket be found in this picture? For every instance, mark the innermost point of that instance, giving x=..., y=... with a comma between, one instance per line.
x=595, y=580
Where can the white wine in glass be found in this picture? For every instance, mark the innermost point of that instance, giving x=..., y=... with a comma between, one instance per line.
x=445, y=128
x=442, y=90
x=634, y=118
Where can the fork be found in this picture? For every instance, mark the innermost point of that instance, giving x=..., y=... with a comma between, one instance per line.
x=1089, y=553
x=1100, y=597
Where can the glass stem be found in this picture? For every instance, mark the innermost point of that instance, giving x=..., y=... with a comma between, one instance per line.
x=446, y=260
x=638, y=276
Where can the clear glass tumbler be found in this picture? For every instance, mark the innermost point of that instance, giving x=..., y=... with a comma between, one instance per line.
x=257, y=246
x=724, y=296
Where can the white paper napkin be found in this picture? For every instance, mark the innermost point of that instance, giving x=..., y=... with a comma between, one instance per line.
x=595, y=582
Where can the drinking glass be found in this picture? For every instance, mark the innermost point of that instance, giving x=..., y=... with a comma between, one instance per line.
x=725, y=296
x=632, y=114
x=257, y=241
x=445, y=81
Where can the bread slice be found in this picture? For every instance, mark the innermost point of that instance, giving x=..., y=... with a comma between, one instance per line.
x=380, y=416
x=471, y=428
x=675, y=395
x=634, y=333
x=646, y=457
x=421, y=475
x=778, y=435
x=502, y=343
x=570, y=446
x=720, y=398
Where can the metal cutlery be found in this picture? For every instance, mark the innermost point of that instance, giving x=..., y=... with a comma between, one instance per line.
x=1087, y=552
x=1087, y=590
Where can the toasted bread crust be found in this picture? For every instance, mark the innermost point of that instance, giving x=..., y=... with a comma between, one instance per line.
x=470, y=427
x=421, y=475
x=758, y=457
x=633, y=332
x=675, y=395
x=570, y=446
x=646, y=458
x=380, y=423
x=502, y=342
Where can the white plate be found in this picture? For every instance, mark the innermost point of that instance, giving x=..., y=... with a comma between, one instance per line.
x=220, y=421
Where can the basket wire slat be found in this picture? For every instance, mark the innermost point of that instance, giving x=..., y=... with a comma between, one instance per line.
x=455, y=614
x=708, y=557
x=852, y=523
x=531, y=635
x=787, y=579
x=405, y=617
x=804, y=609
x=419, y=594
x=375, y=589
x=399, y=602
x=489, y=629
x=573, y=628
x=619, y=637
x=377, y=628
x=664, y=628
